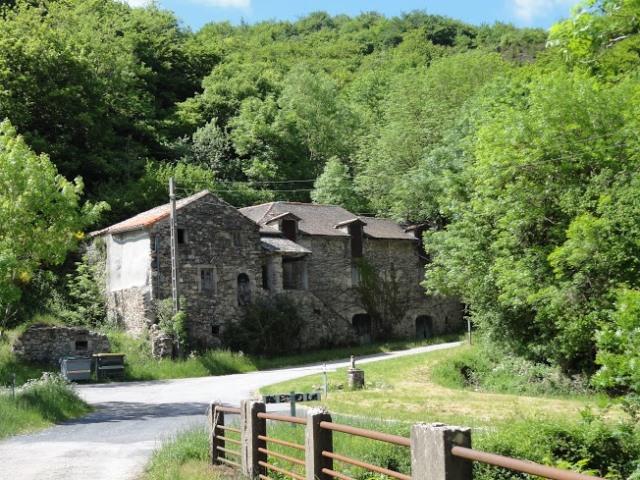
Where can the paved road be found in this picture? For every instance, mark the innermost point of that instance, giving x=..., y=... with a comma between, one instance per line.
x=131, y=419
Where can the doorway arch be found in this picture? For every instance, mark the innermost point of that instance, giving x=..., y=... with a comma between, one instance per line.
x=424, y=327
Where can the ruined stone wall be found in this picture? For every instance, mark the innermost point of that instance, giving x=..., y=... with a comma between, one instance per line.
x=216, y=236
x=132, y=308
x=46, y=344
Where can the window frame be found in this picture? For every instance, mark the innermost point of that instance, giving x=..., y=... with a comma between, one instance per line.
x=214, y=280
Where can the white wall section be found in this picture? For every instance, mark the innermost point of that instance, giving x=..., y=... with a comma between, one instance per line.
x=129, y=261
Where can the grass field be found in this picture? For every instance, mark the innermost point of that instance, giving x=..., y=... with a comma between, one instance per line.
x=403, y=389
x=38, y=404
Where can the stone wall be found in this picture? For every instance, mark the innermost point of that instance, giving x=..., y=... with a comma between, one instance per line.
x=217, y=237
x=132, y=308
x=42, y=343
x=332, y=282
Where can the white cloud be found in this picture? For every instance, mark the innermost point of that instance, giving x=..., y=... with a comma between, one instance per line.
x=244, y=4
x=527, y=10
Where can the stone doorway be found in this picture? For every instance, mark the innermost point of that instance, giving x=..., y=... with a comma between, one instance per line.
x=362, y=325
x=424, y=327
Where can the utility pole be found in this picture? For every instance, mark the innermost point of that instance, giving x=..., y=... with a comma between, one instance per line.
x=174, y=248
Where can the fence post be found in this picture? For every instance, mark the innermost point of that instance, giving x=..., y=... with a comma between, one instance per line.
x=216, y=418
x=316, y=440
x=251, y=427
x=431, y=452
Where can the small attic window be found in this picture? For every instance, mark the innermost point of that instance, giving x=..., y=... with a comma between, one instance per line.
x=182, y=236
x=290, y=229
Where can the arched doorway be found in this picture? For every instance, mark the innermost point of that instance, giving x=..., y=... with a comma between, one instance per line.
x=244, y=290
x=362, y=325
x=424, y=327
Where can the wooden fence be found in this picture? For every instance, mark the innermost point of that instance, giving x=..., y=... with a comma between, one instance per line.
x=438, y=452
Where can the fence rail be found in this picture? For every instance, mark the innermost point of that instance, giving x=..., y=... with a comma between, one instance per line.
x=521, y=466
x=438, y=452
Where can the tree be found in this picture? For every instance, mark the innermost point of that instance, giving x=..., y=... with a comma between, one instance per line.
x=41, y=216
x=335, y=187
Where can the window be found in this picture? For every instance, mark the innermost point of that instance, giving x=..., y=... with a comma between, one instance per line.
x=215, y=330
x=290, y=229
x=82, y=345
x=355, y=230
x=182, y=236
x=294, y=274
x=207, y=280
x=244, y=290
x=355, y=276
x=265, y=277
x=237, y=239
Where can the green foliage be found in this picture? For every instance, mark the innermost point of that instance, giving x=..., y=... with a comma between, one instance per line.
x=335, y=187
x=183, y=457
x=140, y=364
x=270, y=325
x=619, y=346
x=41, y=217
x=484, y=368
x=39, y=403
x=86, y=303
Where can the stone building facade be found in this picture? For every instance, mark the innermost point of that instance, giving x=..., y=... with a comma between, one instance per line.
x=228, y=257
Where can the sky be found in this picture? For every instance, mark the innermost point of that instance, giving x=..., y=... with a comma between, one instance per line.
x=524, y=13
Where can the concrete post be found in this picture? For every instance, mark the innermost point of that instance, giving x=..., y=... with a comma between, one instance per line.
x=251, y=427
x=315, y=441
x=215, y=418
x=431, y=456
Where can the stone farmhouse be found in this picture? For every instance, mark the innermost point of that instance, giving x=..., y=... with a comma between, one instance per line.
x=227, y=257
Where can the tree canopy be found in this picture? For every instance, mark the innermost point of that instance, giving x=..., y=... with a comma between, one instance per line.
x=516, y=148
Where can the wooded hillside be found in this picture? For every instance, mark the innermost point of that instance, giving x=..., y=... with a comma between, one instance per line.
x=516, y=147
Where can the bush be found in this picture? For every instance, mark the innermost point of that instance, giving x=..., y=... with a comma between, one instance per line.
x=172, y=324
x=269, y=327
x=483, y=367
x=590, y=446
x=619, y=346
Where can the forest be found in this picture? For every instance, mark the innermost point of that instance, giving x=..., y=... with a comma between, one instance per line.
x=517, y=149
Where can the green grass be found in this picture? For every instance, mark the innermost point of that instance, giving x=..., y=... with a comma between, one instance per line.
x=9, y=364
x=579, y=432
x=185, y=457
x=39, y=404
x=140, y=365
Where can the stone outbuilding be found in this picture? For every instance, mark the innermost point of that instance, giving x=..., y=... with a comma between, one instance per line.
x=47, y=344
x=228, y=257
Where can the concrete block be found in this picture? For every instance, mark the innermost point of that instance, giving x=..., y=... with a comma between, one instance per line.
x=431, y=456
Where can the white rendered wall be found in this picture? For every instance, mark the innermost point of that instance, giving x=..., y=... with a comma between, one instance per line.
x=128, y=260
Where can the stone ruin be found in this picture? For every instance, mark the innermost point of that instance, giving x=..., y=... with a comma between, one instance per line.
x=46, y=344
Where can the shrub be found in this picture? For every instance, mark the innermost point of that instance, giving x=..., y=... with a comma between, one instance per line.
x=173, y=324
x=482, y=367
x=619, y=346
x=270, y=327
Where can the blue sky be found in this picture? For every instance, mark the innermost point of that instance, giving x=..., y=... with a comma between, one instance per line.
x=538, y=13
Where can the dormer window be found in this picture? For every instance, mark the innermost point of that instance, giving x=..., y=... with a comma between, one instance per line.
x=287, y=223
x=290, y=229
